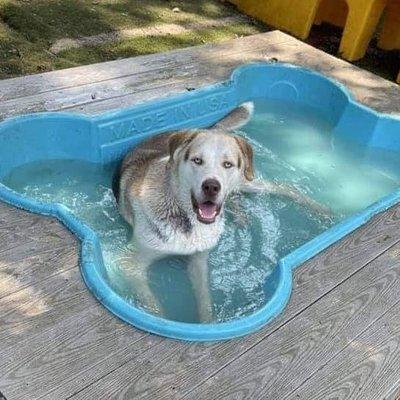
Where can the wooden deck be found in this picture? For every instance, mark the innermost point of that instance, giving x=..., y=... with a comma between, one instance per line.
x=339, y=337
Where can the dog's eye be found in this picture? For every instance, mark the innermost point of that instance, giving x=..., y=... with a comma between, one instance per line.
x=197, y=160
x=227, y=164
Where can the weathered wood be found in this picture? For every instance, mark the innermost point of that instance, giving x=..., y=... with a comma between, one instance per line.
x=182, y=70
x=88, y=340
x=178, y=367
x=87, y=74
x=54, y=332
x=373, y=91
x=277, y=365
x=9, y=215
x=97, y=88
x=93, y=93
x=214, y=70
x=158, y=66
x=393, y=393
x=30, y=310
x=28, y=235
x=34, y=265
x=366, y=370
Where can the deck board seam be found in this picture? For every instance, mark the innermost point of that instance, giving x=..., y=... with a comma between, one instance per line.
x=390, y=392
x=82, y=85
x=44, y=280
x=63, y=247
x=99, y=101
x=145, y=335
x=371, y=325
x=167, y=84
x=120, y=366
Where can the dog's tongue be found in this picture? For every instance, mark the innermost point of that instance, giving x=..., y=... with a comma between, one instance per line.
x=208, y=210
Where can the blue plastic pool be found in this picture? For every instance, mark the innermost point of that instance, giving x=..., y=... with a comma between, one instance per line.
x=307, y=130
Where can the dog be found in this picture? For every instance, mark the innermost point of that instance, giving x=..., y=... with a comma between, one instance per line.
x=172, y=189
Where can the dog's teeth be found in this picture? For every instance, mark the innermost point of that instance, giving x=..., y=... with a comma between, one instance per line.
x=207, y=217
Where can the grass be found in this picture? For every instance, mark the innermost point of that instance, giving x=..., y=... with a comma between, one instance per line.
x=148, y=44
x=28, y=28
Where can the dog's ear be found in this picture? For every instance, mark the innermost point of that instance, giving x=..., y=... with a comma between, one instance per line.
x=237, y=117
x=247, y=154
x=179, y=139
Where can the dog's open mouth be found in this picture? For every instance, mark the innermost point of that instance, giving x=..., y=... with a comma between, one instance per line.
x=206, y=211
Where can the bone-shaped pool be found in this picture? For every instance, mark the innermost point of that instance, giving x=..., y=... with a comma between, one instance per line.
x=306, y=131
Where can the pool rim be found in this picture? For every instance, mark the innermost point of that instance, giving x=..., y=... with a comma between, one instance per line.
x=184, y=330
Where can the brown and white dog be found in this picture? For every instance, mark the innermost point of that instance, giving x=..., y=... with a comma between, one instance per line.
x=172, y=189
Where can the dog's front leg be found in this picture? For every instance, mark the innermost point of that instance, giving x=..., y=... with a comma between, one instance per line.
x=136, y=268
x=198, y=275
x=140, y=281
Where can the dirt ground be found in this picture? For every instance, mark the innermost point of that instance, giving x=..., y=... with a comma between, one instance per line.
x=383, y=63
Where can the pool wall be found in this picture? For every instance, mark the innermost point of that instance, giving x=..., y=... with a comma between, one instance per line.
x=107, y=137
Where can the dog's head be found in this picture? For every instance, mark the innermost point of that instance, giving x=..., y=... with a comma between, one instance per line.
x=209, y=164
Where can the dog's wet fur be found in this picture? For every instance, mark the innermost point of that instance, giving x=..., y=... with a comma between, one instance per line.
x=172, y=189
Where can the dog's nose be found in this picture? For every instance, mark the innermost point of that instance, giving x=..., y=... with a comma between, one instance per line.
x=211, y=187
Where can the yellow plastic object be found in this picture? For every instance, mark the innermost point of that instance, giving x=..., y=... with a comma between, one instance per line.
x=362, y=19
x=297, y=17
x=389, y=38
x=294, y=16
x=332, y=11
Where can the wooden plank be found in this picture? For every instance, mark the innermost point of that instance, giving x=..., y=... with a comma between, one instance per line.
x=175, y=373
x=190, y=67
x=56, y=80
x=58, y=319
x=9, y=214
x=88, y=341
x=92, y=93
x=162, y=65
x=30, y=310
x=374, y=92
x=40, y=265
x=55, y=332
x=32, y=248
x=393, y=393
x=183, y=67
x=287, y=358
x=34, y=227
x=203, y=73
x=13, y=217
x=366, y=370
x=29, y=236
x=50, y=313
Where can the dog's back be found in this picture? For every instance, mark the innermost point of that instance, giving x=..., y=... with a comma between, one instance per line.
x=132, y=171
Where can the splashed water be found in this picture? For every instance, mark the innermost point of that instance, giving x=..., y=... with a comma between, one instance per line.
x=293, y=144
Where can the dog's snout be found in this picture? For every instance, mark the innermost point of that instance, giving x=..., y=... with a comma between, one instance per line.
x=211, y=187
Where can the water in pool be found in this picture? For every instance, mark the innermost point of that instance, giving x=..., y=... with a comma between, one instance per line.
x=293, y=144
